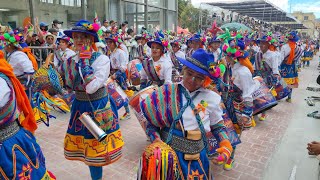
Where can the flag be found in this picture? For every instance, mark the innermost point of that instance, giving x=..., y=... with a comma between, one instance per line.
x=96, y=20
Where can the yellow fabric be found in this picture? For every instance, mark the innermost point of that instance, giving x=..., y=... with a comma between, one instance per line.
x=28, y=122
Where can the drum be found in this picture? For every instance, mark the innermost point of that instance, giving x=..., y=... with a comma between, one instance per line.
x=134, y=69
x=135, y=104
x=158, y=161
x=262, y=98
x=117, y=93
x=282, y=89
x=233, y=136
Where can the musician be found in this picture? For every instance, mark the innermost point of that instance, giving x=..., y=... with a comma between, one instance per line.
x=196, y=115
x=176, y=52
x=291, y=54
x=86, y=74
x=64, y=52
x=143, y=50
x=18, y=146
x=119, y=64
x=267, y=65
x=157, y=69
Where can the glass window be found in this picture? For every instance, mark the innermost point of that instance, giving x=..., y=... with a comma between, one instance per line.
x=171, y=20
x=306, y=18
x=172, y=4
x=155, y=19
x=157, y=2
x=79, y=3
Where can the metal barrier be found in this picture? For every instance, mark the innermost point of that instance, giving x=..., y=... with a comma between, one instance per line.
x=41, y=53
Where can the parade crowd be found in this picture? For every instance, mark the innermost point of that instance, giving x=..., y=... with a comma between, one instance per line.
x=192, y=93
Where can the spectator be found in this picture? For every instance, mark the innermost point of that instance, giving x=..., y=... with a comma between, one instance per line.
x=105, y=26
x=35, y=42
x=53, y=31
x=50, y=40
x=56, y=24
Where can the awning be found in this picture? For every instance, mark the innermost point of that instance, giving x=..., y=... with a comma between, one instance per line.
x=294, y=26
x=259, y=9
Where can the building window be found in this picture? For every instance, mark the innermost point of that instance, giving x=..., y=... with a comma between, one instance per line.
x=305, y=18
x=68, y=2
x=47, y=1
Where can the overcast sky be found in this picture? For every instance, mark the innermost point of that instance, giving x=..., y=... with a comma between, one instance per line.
x=296, y=5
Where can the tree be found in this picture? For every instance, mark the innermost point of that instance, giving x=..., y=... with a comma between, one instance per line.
x=189, y=18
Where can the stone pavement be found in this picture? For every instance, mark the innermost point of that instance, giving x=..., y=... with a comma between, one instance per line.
x=252, y=156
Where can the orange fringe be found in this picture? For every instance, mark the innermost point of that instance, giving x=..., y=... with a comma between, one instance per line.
x=29, y=122
x=246, y=62
x=272, y=48
x=31, y=57
x=207, y=82
x=292, y=53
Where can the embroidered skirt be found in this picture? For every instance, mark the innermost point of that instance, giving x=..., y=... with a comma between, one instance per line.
x=80, y=144
x=21, y=158
x=193, y=169
x=289, y=73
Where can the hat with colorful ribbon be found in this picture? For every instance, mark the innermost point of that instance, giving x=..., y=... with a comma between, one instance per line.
x=115, y=38
x=84, y=26
x=66, y=38
x=10, y=38
x=293, y=36
x=159, y=39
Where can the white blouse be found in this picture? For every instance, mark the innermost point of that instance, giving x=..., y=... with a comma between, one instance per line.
x=119, y=60
x=271, y=58
x=242, y=78
x=20, y=63
x=211, y=115
x=101, y=68
x=164, y=71
x=64, y=56
x=4, y=92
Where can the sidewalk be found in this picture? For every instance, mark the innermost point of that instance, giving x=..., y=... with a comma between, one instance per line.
x=269, y=150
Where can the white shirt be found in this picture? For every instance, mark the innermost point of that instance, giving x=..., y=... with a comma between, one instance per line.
x=147, y=50
x=165, y=71
x=242, y=78
x=64, y=56
x=180, y=54
x=216, y=55
x=125, y=50
x=20, y=63
x=4, y=92
x=271, y=58
x=212, y=114
x=101, y=68
x=119, y=60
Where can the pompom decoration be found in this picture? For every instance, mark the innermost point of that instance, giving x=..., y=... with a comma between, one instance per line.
x=95, y=27
x=215, y=71
x=2, y=38
x=17, y=37
x=6, y=35
x=222, y=68
x=12, y=39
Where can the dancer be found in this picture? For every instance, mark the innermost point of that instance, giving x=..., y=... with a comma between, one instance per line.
x=86, y=74
x=21, y=155
x=186, y=126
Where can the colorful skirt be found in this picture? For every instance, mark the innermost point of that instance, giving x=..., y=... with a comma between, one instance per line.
x=22, y=158
x=289, y=73
x=80, y=144
x=193, y=169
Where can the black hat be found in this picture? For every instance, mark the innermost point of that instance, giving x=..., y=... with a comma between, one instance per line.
x=56, y=21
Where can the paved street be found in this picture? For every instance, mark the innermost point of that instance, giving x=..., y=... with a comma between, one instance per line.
x=276, y=146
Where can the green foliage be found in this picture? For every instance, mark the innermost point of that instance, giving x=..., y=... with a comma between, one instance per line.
x=189, y=17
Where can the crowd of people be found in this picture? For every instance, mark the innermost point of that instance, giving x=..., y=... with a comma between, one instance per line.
x=193, y=94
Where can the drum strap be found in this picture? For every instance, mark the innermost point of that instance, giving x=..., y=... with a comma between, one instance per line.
x=150, y=70
x=179, y=116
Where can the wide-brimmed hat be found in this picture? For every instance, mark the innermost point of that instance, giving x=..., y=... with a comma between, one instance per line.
x=176, y=42
x=199, y=62
x=49, y=34
x=84, y=26
x=66, y=38
x=293, y=36
x=115, y=38
x=159, y=39
x=213, y=40
x=242, y=47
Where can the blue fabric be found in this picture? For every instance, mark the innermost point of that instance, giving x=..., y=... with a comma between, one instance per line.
x=95, y=172
x=121, y=79
x=288, y=70
x=78, y=107
x=195, y=165
x=22, y=142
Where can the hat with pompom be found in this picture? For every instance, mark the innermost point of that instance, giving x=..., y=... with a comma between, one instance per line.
x=10, y=38
x=84, y=26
